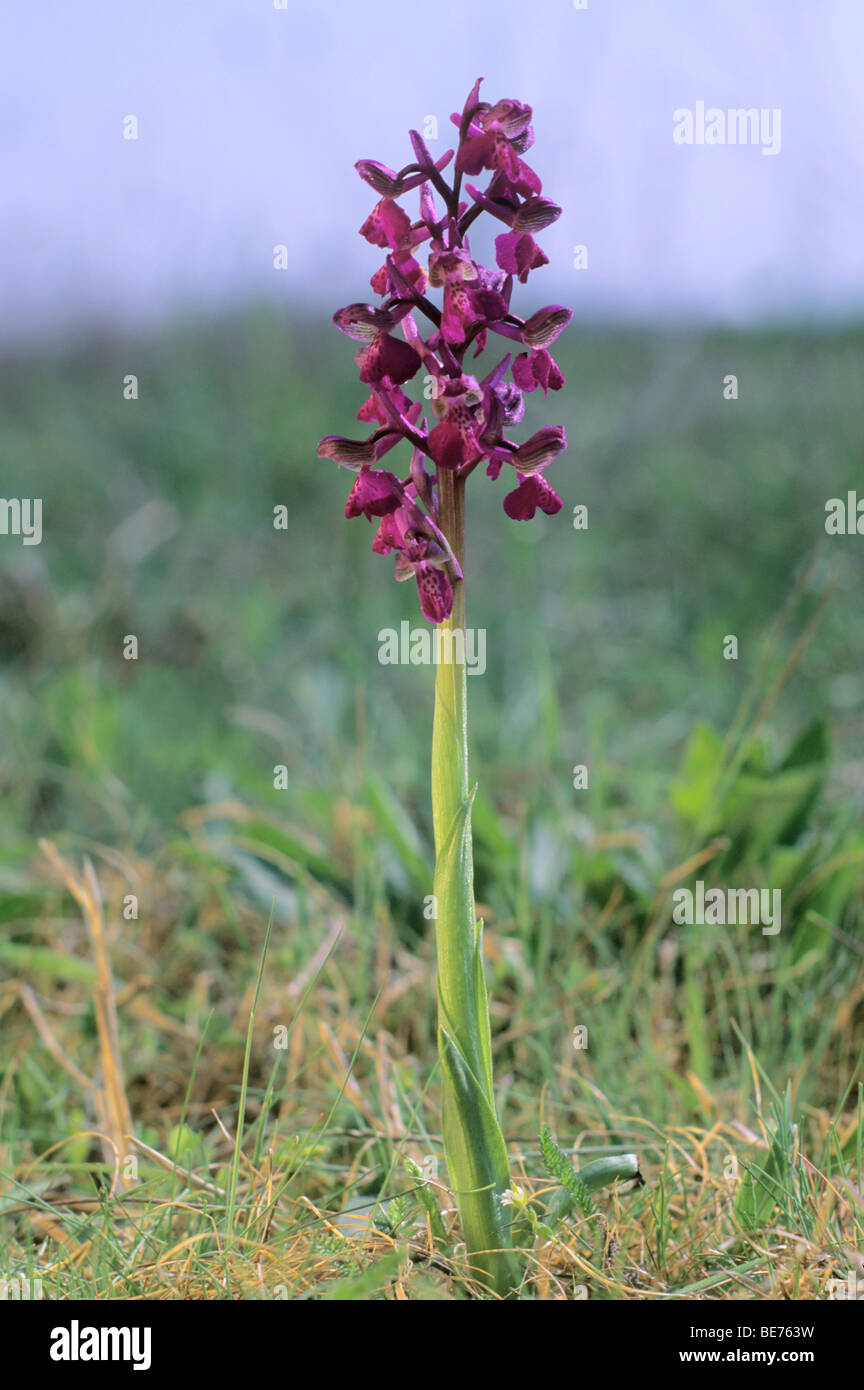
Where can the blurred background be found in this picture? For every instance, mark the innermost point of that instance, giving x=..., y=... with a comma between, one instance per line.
x=154, y=257
x=250, y=116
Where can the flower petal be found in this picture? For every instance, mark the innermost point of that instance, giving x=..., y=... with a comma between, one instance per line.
x=363, y=322
x=436, y=593
x=447, y=445
x=532, y=492
x=375, y=493
x=519, y=254
x=540, y=449
x=476, y=153
x=355, y=452
x=546, y=325
x=386, y=182
x=388, y=357
x=535, y=214
x=523, y=373
x=511, y=117
x=387, y=224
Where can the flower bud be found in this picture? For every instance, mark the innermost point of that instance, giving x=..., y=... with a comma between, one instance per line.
x=546, y=325
x=363, y=322
x=386, y=182
x=535, y=214
x=540, y=449
x=352, y=452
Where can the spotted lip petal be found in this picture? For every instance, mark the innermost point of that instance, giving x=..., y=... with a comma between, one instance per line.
x=452, y=447
x=436, y=593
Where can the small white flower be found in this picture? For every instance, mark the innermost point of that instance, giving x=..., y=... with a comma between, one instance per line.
x=514, y=1197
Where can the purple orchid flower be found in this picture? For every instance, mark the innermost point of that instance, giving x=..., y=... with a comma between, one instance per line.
x=423, y=554
x=375, y=493
x=533, y=492
x=537, y=368
x=460, y=422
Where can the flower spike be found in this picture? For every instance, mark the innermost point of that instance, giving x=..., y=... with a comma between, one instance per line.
x=458, y=423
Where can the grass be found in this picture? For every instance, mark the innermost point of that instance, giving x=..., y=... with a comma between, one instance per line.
x=730, y=1061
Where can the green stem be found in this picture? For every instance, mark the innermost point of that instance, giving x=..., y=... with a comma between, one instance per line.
x=473, y=1142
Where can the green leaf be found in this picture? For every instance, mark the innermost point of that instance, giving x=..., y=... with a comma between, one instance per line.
x=763, y=1187
x=811, y=750
x=288, y=852
x=694, y=787
x=395, y=824
x=477, y=1158
x=426, y=1200
x=42, y=961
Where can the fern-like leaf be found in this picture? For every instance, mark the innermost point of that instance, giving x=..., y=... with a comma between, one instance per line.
x=561, y=1169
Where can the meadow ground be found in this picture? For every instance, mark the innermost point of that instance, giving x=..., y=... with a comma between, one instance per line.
x=284, y=1103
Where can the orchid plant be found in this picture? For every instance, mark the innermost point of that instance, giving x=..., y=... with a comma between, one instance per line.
x=421, y=518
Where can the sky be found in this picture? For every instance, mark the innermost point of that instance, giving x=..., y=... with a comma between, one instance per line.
x=250, y=118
